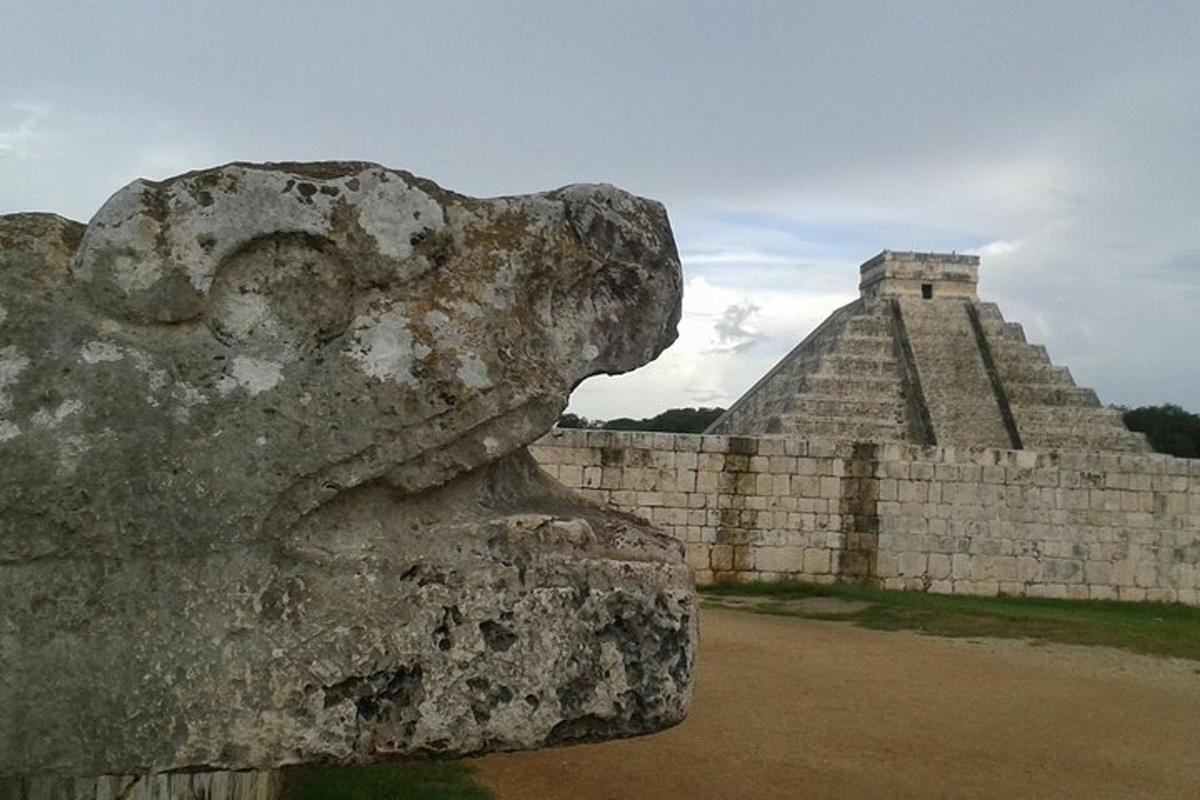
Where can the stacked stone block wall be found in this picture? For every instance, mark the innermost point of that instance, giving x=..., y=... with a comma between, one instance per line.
x=947, y=520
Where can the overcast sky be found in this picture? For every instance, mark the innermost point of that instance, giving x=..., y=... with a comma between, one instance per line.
x=789, y=141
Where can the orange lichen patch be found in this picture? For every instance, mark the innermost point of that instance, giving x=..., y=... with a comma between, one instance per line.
x=37, y=248
x=507, y=230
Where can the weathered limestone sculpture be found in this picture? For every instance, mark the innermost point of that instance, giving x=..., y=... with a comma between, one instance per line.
x=264, y=492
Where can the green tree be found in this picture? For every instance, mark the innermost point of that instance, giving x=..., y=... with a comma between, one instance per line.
x=1169, y=428
x=674, y=420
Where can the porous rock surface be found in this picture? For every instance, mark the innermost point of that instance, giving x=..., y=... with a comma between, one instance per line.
x=265, y=497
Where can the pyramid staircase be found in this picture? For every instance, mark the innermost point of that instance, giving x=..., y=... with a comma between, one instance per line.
x=838, y=383
x=1051, y=412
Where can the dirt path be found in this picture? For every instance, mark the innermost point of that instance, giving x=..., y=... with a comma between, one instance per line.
x=787, y=707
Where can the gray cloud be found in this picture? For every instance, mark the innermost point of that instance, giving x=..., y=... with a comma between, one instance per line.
x=731, y=328
x=732, y=334
x=703, y=398
x=1182, y=267
x=18, y=129
x=778, y=134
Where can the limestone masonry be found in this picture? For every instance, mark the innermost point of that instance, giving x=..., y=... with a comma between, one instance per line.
x=914, y=441
x=940, y=519
x=919, y=359
x=265, y=497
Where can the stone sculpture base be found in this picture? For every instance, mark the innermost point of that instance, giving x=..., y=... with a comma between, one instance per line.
x=164, y=786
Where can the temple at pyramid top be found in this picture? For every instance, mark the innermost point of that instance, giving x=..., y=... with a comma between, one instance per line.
x=924, y=275
x=918, y=358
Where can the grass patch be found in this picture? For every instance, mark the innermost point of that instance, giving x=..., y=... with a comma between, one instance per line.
x=1160, y=629
x=406, y=780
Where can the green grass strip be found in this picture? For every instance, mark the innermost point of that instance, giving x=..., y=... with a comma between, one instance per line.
x=1160, y=629
x=407, y=780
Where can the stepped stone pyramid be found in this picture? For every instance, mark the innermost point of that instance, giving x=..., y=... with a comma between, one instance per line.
x=917, y=358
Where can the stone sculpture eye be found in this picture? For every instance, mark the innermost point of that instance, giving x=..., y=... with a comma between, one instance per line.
x=280, y=296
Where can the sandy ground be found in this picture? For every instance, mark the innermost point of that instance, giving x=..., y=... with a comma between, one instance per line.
x=787, y=707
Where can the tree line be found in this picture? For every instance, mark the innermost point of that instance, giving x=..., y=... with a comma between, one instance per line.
x=673, y=420
x=1170, y=429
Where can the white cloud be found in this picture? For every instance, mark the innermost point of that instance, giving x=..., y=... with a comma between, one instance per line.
x=20, y=139
x=701, y=368
x=733, y=257
x=1000, y=247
